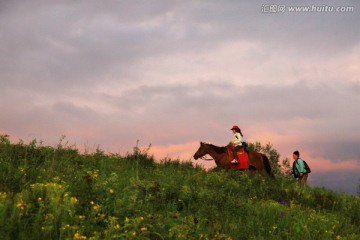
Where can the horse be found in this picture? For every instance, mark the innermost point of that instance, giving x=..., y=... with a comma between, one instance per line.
x=257, y=161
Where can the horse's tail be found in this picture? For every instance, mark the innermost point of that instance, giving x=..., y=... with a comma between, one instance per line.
x=267, y=165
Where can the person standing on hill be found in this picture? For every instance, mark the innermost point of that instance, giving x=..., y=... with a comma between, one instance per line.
x=298, y=169
x=236, y=141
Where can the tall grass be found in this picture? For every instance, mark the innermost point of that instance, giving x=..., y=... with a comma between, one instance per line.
x=58, y=193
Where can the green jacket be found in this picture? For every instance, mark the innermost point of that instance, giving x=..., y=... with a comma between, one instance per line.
x=298, y=167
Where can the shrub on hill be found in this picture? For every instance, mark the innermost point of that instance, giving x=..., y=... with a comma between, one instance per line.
x=59, y=193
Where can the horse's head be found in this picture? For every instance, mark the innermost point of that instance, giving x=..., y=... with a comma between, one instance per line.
x=202, y=151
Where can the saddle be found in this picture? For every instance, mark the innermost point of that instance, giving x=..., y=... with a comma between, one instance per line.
x=243, y=159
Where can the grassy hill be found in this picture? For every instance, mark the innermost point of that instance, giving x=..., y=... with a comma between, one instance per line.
x=58, y=193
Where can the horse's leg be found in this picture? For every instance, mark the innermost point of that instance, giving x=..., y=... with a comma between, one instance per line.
x=255, y=159
x=226, y=163
x=252, y=166
x=252, y=170
x=260, y=167
x=261, y=172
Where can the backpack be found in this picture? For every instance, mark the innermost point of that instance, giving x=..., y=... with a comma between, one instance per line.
x=245, y=146
x=307, y=168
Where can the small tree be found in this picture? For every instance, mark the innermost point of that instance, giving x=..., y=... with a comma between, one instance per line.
x=271, y=153
x=286, y=166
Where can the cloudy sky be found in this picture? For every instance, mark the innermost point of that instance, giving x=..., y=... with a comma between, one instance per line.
x=174, y=73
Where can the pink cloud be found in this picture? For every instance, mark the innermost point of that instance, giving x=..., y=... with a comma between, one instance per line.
x=12, y=136
x=180, y=151
x=324, y=165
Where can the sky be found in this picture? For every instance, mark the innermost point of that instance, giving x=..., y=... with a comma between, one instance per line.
x=173, y=73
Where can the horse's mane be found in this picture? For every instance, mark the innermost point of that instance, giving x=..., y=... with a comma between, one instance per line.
x=217, y=149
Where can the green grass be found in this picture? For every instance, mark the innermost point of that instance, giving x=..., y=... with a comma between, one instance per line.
x=58, y=193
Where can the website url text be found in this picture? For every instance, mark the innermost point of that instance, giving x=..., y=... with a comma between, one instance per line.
x=277, y=8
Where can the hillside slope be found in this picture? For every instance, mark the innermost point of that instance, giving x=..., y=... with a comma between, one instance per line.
x=58, y=193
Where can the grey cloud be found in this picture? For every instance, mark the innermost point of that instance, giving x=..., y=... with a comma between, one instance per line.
x=78, y=43
x=71, y=112
x=56, y=44
x=340, y=181
x=57, y=55
x=189, y=105
x=337, y=151
x=302, y=100
x=195, y=107
x=176, y=98
x=270, y=102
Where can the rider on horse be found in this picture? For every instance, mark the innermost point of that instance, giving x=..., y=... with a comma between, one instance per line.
x=236, y=141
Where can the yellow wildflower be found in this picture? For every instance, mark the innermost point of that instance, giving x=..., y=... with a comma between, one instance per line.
x=73, y=199
x=3, y=195
x=79, y=236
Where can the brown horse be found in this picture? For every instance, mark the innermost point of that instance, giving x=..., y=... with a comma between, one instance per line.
x=257, y=161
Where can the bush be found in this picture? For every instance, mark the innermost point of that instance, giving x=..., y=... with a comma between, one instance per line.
x=58, y=193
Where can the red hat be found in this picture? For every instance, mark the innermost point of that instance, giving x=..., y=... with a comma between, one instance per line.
x=235, y=127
